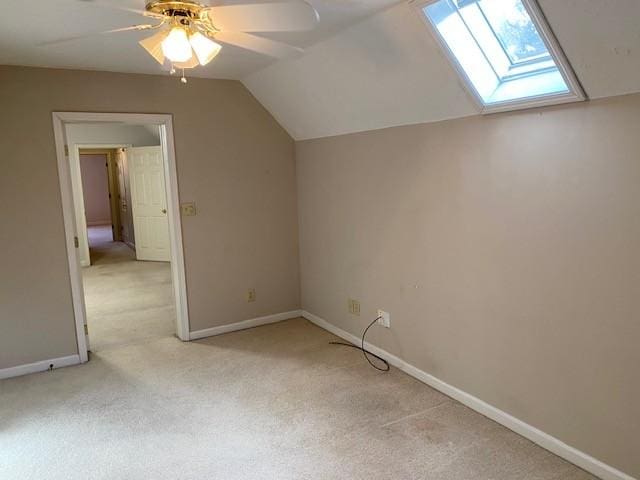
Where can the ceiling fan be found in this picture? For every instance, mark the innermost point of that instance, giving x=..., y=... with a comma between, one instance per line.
x=188, y=32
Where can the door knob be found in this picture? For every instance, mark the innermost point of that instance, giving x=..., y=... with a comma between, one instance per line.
x=164, y=210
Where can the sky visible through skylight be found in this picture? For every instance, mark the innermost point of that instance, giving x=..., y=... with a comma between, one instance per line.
x=499, y=48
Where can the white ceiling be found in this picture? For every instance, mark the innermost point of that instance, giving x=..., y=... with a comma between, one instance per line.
x=387, y=71
x=47, y=20
x=370, y=63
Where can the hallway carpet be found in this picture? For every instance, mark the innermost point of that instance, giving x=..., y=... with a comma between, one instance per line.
x=127, y=301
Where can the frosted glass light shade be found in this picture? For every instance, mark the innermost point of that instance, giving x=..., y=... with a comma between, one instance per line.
x=176, y=46
x=205, y=48
x=153, y=45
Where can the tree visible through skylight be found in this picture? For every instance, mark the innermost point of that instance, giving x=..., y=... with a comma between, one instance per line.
x=514, y=29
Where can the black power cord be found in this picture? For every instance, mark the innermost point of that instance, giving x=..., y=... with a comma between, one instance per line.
x=366, y=352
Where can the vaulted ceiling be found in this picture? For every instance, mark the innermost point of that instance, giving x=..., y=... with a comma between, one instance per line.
x=387, y=70
x=370, y=63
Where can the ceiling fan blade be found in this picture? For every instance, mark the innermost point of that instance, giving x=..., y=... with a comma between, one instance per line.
x=143, y=26
x=264, y=17
x=89, y=35
x=123, y=9
x=258, y=44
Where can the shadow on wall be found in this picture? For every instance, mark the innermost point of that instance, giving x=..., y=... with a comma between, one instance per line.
x=95, y=189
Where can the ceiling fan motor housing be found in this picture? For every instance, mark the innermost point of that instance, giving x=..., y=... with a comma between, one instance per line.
x=175, y=8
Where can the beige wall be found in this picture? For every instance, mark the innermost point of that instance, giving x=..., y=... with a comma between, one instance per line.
x=95, y=189
x=506, y=249
x=233, y=159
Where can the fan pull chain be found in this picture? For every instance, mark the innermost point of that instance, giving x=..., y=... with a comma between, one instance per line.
x=183, y=79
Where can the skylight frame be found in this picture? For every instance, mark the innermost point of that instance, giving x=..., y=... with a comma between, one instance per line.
x=575, y=93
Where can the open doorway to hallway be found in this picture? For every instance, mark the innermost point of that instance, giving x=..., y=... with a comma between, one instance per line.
x=127, y=300
x=67, y=148
x=122, y=220
x=98, y=191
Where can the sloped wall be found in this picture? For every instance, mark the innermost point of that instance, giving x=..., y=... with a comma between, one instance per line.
x=387, y=70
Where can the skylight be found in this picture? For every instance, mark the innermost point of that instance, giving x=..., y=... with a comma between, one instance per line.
x=504, y=51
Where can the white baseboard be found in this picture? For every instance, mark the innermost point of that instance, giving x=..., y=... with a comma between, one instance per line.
x=573, y=455
x=39, y=366
x=254, y=322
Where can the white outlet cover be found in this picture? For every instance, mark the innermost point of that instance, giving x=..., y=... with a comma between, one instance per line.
x=384, y=318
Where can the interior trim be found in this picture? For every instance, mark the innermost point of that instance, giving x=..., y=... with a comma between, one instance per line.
x=178, y=276
x=40, y=366
x=546, y=441
x=243, y=325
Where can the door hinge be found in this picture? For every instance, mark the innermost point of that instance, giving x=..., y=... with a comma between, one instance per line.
x=76, y=243
x=86, y=329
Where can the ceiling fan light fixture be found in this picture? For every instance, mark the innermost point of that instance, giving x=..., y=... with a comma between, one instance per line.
x=176, y=46
x=205, y=48
x=186, y=30
x=153, y=45
x=191, y=63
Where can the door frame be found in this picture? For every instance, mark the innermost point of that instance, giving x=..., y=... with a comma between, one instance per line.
x=178, y=277
x=120, y=179
x=112, y=184
x=78, y=191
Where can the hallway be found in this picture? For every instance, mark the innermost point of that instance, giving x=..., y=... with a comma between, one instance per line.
x=127, y=301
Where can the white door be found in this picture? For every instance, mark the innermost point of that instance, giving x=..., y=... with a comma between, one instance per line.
x=149, y=203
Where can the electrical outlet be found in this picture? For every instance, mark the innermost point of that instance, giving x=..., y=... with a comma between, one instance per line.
x=354, y=307
x=384, y=318
x=251, y=295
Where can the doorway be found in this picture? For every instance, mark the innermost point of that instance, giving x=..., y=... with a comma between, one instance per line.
x=127, y=285
x=134, y=267
x=101, y=192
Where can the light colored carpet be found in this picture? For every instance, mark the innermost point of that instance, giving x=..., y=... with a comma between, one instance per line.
x=275, y=402
x=127, y=301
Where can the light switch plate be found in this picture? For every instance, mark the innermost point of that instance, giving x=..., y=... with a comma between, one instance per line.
x=354, y=306
x=188, y=209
